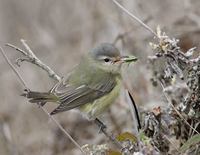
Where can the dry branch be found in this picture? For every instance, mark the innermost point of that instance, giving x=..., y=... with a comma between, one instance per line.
x=30, y=57
x=38, y=63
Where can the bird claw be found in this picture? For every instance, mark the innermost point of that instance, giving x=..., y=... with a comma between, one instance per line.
x=102, y=128
x=26, y=92
x=101, y=125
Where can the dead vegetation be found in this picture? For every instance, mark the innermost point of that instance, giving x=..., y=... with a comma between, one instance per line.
x=165, y=83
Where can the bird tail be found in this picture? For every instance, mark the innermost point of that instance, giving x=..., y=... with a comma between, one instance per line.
x=40, y=97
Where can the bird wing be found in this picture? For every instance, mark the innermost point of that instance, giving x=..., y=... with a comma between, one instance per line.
x=71, y=96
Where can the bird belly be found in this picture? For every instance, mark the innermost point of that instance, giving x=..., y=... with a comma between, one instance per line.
x=96, y=108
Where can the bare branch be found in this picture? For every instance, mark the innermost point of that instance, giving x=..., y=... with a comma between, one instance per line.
x=135, y=18
x=63, y=130
x=16, y=48
x=13, y=68
x=123, y=35
x=179, y=114
x=24, y=84
x=32, y=58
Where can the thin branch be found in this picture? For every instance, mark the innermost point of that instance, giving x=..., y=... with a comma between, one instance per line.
x=37, y=61
x=63, y=130
x=135, y=18
x=168, y=100
x=172, y=143
x=32, y=58
x=13, y=68
x=122, y=36
x=24, y=84
x=17, y=49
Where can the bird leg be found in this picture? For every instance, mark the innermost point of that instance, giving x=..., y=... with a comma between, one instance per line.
x=100, y=124
x=102, y=128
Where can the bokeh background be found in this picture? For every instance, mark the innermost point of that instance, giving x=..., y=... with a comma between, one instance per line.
x=60, y=32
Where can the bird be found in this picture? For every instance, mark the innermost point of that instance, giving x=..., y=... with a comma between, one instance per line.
x=91, y=87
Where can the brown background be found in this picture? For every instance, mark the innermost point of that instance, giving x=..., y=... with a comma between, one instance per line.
x=60, y=32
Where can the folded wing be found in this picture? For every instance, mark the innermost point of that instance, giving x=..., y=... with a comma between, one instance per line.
x=71, y=96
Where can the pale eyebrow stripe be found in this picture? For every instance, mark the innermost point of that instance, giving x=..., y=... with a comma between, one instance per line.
x=102, y=57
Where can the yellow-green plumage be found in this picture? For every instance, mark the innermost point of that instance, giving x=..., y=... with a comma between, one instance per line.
x=96, y=108
x=104, y=86
x=91, y=87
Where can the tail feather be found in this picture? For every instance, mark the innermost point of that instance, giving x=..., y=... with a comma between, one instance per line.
x=40, y=97
x=38, y=100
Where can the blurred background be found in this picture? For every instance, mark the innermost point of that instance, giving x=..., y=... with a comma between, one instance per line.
x=60, y=32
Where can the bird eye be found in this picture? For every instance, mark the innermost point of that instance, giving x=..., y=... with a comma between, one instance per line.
x=106, y=59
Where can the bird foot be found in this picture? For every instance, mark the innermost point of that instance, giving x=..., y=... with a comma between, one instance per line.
x=102, y=128
x=101, y=125
x=25, y=93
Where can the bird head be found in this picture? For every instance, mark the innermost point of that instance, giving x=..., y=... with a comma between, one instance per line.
x=107, y=57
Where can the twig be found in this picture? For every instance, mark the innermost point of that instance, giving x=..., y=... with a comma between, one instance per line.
x=51, y=117
x=13, y=68
x=135, y=18
x=16, y=48
x=110, y=136
x=168, y=100
x=62, y=129
x=172, y=143
x=32, y=58
x=123, y=35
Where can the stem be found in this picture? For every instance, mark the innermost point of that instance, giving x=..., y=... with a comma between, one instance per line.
x=135, y=18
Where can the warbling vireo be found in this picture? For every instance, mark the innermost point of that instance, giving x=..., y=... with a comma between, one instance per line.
x=92, y=86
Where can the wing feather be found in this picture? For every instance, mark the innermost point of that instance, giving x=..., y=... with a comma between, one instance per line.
x=75, y=96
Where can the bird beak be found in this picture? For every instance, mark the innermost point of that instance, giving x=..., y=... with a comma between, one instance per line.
x=126, y=59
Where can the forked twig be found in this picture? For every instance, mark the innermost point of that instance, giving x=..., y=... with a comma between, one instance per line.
x=32, y=58
x=24, y=84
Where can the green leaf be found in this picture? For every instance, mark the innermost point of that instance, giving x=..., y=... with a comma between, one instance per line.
x=144, y=138
x=192, y=141
x=126, y=136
